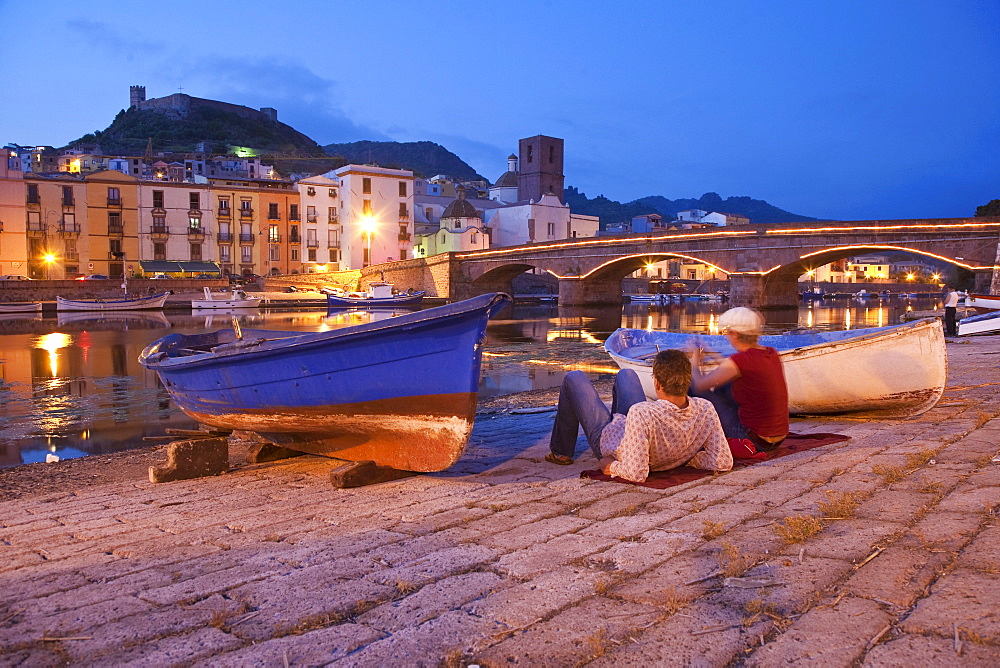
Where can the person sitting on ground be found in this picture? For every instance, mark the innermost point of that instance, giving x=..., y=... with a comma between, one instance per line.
x=638, y=436
x=747, y=388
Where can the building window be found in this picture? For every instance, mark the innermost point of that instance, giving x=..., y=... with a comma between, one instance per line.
x=334, y=255
x=274, y=253
x=115, y=247
x=293, y=254
x=552, y=229
x=402, y=188
x=157, y=199
x=366, y=186
x=312, y=254
x=403, y=211
x=310, y=214
x=552, y=154
x=223, y=206
x=246, y=204
x=293, y=234
x=331, y=214
x=159, y=251
x=225, y=254
x=530, y=154
x=194, y=222
x=67, y=196
x=159, y=224
x=310, y=191
x=272, y=211
x=115, y=223
x=475, y=237
x=246, y=254
x=333, y=192
x=196, y=251
x=114, y=197
x=402, y=253
x=273, y=234
x=293, y=211
x=33, y=193
x=195, y=200
x=366, y=207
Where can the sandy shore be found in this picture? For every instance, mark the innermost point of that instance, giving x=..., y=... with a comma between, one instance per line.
x=884, y=550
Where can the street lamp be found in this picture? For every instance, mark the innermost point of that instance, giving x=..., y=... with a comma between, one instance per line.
x=49, y=259
x=368, y=227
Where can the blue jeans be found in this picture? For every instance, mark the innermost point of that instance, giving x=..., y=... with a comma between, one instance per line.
x=727, y=408
x=580, y=406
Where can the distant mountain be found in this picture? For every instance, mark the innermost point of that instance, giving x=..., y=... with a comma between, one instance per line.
x=424, y=158
x=610, y=211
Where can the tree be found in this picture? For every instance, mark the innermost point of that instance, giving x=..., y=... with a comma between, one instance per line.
x=991, y=209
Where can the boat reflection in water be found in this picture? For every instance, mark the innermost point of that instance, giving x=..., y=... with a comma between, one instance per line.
x=74, y=383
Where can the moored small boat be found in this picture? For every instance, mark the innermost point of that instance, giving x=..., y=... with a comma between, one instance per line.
x=378, y=295
x=983, y=302
x=401, y=392
x=892, y=371
x=237, y=299
x=984, y=323
x=124, y=304
x=20, y=307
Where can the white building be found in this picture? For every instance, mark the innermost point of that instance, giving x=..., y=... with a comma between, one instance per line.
x=375, y=213
x=460, y=228
x=176, y=222
x=531, y=222
x=319, y=211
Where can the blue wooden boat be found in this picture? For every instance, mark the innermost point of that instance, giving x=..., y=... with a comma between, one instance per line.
x=401, y=392
x=379, y=295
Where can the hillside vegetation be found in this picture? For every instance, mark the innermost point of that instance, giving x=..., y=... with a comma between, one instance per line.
x=423, y=158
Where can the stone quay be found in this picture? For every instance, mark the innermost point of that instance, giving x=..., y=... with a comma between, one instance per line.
x=880, y=551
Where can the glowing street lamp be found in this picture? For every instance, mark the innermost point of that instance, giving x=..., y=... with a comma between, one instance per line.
x=49, y=259
x=910, y=277
x=368, y=227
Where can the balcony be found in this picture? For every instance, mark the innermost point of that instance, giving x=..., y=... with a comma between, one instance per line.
x=294, y=217
x=196, y=232
x=312, y=243
x=404, y=236
x=112, y=201
x=224, y=237
x=69, y=228
x=333, y=219
x=194, y=212
x=36, y=226
x=294, y=239
x=225, y=212
x=247, y=238
x=68, y=201
x=118, y=230
x=71, y=255
x=404, y=217
x=311, y=218
x=273, y=216
x=246, y=213
x=274, y=238
x=33, y=199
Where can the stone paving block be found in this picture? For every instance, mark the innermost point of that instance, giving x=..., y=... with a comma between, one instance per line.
x=424, y=525
x=186, y=649
x=410, y=549
x=969, y=499
x=431, y=601
x=622, y=504
x=675, y=582
x=434, y=566
x=851, y=540
x=653, y=548
x=721, y=639
x=966, y=451
x=433, y=643
x=937, y=479
x=524, y=603
x=728, y=513
x=965, y=597
x=901, y=506
x=22, y=629
x=910, y=650
x=835, y=636
x=989, y=476
x=325, y=545
x=983, y=553
x=945, y=530
x=204, y=585
x=506, y=520
x=622, y=528
x=899, y=575
x=574, y=636
x=19, y=560
x=282, y=609
x=559, y=551
x=315, y=648
x=802, y=583
x=96, y=592
x=536, y=532
x=695, y=497
x=755, y=538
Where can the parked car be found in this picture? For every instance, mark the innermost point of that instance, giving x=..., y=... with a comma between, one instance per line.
x=159, y=277
x=15, y=277
x=93, y=277
x=206, y=276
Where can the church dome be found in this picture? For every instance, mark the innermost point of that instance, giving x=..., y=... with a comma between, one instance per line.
x=507, y=180
x=460, y=208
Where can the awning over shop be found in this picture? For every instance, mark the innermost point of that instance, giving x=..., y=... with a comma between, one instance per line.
x=165, y=267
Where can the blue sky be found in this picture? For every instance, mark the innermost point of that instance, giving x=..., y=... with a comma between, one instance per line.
x=847, y=110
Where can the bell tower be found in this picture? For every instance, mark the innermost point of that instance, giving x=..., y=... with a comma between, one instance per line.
x=541, y=168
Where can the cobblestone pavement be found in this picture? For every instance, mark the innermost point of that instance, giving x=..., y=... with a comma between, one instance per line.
x=884, y=550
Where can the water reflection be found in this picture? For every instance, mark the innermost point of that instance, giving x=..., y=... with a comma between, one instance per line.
x=71, y=384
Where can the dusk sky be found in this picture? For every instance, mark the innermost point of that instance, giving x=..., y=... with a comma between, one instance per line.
x=846, y=110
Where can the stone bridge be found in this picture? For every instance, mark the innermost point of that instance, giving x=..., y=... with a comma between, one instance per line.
x=763, y=262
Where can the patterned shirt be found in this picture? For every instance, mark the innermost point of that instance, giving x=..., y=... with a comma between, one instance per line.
x=657, y=435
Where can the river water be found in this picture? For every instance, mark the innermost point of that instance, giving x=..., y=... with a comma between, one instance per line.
x=71, y=384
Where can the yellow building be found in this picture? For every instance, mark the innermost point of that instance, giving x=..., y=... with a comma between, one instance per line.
x=55, y=213
x=111, y=235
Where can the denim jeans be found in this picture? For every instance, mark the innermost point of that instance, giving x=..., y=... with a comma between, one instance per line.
x=580, y=406
x=727, y=408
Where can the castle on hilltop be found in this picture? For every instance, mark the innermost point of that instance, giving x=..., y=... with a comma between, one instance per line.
x=180, y=105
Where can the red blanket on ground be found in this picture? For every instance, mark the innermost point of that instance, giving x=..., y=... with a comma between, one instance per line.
x=682, y=474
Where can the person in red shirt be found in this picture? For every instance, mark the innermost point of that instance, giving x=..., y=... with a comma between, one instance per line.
x=747, y=388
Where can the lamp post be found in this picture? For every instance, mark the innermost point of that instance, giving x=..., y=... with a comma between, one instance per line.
x=48, y=259
x=368, y=227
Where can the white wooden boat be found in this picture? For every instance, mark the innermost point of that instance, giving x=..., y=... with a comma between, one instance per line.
x=983, y=301
x=124, y=304
x=237, y=299
x=21, y=307
x=893, y=371
x=984, y=323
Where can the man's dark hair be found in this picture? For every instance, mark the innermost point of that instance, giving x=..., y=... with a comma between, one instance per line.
x=672, y=370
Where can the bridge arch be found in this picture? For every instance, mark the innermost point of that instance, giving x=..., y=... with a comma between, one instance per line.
x=818, y=258
x=602, y=284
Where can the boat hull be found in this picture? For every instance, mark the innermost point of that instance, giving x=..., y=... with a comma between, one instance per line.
x=984, y=323
x=983, y=302
x=200, y=304
x=882, y=372
x=21, y=307
x=333, y=301
x=139, y=303
x=400, y=392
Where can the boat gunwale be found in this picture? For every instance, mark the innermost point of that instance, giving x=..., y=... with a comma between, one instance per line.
x=297, y=340
x=136, y=300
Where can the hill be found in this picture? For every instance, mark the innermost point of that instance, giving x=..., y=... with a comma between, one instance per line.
x=610, y=211
x=423, y=158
